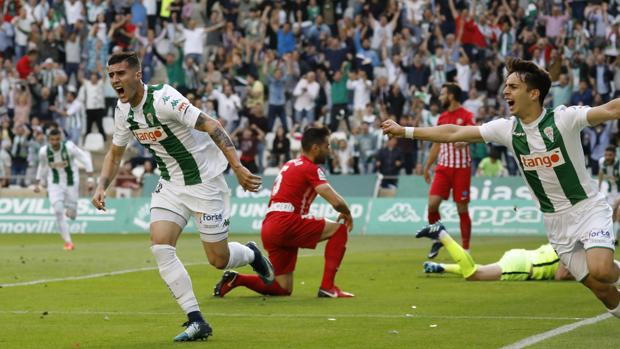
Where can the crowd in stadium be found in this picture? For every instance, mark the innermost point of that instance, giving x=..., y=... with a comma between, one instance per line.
x=266, y=69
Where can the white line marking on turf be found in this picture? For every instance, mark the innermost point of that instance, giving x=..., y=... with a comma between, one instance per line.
x=88, y=276
x=98, y=275
x=556, y=332
x=288, y=315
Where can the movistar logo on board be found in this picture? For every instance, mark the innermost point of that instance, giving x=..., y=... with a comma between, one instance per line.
x=538, y=161
x=150, y=135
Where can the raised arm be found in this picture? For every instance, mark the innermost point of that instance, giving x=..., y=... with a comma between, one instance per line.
x=338, y=203
x=111, y=164
x=213, y=127
x=603, y=113
x=440, y=134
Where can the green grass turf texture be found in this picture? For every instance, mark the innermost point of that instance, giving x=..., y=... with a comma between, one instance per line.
x=136, y=310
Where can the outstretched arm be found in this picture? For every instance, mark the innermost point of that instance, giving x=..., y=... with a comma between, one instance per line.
x=606, y=112
x=440, y=134
x=213, y=127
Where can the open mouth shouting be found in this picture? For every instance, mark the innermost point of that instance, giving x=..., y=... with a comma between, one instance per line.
x=120, y=91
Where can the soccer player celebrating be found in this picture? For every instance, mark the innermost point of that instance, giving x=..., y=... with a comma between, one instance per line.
x=453, y=171
x=286, y=227
x=192, y=184
x=547, y=145
x=58, y=162
x=610, y=173
x=515, y=265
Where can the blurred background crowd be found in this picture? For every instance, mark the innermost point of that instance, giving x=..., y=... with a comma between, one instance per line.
x=266, y=69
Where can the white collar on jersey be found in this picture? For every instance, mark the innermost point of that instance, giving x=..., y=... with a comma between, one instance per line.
x=534, y=124
x=139, y=106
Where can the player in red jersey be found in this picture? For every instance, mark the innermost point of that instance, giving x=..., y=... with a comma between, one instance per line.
x=453, y=170
x=286, y=227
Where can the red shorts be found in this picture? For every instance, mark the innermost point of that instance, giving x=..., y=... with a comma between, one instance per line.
x=284, y=233
x=457, y=179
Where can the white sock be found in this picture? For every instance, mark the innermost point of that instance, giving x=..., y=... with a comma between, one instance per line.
x=62, y=221
x=615, y=312
x=240, y=255
x=175, y=276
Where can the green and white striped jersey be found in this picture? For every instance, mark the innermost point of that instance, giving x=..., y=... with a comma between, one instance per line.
x=611, y=175
x=61, y=167
x=549, y=155
x=164, y=123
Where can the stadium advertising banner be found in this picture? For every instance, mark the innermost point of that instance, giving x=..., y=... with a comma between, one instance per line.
x=379, y=216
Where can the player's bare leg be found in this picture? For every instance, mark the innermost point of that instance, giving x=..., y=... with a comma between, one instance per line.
x=63, y=227
x=434, y=201
x=164, y=236
x=337, y=236
x=604, y=275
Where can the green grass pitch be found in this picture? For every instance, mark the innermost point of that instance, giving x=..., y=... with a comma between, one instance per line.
x=397, y=305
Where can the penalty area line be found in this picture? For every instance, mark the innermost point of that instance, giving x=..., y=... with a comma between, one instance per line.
x=526, y=342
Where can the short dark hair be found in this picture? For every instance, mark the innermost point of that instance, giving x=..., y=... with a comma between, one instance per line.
x=611, y=148
x=54, y=132
x=313, y=135
x=129, y=56
x=454, y=89
x=532, y=75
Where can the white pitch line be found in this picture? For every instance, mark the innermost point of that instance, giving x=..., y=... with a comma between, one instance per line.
x=98, y=275
x=87, y=276
x=556, y=332
x=288, y=315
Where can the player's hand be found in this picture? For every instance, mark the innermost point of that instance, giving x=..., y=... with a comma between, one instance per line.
x=37, y=189
x=247, y=180
x=427, y=176
x=347, y=220
x=392, y=129
x=99, y=199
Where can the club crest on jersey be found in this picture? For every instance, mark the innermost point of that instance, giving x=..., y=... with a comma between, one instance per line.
x=149, y=118
x=538, y=161
x=150, y=135
x=459, y=121
x=548, y=131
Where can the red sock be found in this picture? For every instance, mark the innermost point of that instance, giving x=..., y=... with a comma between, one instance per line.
x=334, y=252
x=254, y=283
x=433, y=217
x=465, y=229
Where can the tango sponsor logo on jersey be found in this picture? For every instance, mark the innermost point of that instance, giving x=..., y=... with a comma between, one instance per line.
x=537, y=161
x=150, y=135
x=59, y=164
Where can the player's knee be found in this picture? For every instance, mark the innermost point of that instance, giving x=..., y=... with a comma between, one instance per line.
x=219, y=261
x=342, y=234
x=163, y=253
x=603, y=273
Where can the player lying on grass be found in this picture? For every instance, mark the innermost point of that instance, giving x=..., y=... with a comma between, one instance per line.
x=547, y=146
x=287, y=228
x=192, y=151
x=515, y=265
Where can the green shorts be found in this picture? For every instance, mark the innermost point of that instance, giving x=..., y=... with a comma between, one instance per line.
x=515, y=265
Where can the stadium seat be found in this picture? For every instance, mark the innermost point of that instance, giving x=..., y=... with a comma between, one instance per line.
x=94, y=142
x=122, y=193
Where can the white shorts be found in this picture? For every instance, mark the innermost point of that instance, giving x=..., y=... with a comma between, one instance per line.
x=587, y=225
x=67, y=195
x=208, y=202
